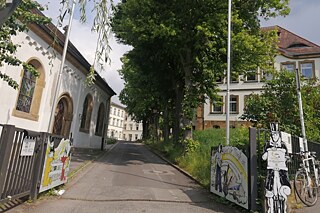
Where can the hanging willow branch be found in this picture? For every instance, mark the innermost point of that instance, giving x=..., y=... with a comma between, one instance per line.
x=101, y=25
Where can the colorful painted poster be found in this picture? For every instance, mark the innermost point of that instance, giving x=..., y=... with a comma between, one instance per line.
x=56, y=165
x=229, y=175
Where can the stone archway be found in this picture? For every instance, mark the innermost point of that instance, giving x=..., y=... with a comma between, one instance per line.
x=63, y=116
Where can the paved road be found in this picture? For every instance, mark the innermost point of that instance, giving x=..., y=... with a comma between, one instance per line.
x=129, y=179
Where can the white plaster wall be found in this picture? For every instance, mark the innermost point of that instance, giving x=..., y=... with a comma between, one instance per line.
x=72, y=82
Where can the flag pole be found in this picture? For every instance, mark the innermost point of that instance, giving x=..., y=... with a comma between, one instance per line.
x=228, y=76
x=64, y=53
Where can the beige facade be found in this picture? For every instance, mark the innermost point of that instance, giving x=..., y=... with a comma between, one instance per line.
x=294, y=53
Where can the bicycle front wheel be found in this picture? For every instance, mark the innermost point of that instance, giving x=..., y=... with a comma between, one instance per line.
x=307, y=192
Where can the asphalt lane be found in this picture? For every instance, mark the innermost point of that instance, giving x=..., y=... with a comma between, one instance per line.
x=129, y=178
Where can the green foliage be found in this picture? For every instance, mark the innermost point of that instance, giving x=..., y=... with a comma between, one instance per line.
x=16, y=23
x=179, y=50
x=279, y=102
x=190, y=145
x=111, y=141
x=101, y=25
x=197, y=162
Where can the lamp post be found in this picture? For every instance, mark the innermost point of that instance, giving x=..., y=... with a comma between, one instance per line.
x=8, y=9
x=303, y=129
x=228, y=76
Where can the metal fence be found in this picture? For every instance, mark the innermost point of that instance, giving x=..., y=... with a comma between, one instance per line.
x=22, y=156
x=259, y=139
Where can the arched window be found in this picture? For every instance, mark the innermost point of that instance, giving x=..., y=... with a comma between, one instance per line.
x=63, y=116
x=86, y=114
x=30, y=93
x=100, y=120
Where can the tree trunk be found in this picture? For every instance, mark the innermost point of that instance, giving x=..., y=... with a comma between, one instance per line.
x=188, y=90
x=177, y=124
x=144, y=129
x=165, y=124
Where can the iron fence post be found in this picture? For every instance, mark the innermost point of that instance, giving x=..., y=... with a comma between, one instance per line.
x=6, y=142
x=38, y=166
x=253, y=169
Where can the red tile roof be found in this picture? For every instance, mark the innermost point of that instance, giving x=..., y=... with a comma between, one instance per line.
x=294, y=46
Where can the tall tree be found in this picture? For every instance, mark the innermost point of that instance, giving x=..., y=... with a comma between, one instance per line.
x=279, y=102
x=193, y=37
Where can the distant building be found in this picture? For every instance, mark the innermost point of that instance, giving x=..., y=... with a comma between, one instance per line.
x=122, y=126
x=295, y=52
x=116, y=121
x=132, y=130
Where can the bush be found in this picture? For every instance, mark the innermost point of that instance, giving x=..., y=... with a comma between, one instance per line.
x=194, y=155
x=111, y=140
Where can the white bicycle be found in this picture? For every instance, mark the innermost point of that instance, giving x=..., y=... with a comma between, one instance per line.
x=306, y=181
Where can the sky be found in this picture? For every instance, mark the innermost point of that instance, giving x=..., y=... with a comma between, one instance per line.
x=303, y=20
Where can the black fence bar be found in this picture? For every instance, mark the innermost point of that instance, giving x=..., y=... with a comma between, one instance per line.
x=6, y=141
x=252, y=170
x=21, y=172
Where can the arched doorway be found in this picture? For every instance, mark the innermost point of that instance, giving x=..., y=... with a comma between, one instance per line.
x=63, y=116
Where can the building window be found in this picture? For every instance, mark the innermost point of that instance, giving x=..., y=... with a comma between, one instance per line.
x=114, y=111
x=216, y=105
x=267, y=76
x=30, y=93
x=118, y=112
x=100, y=120
x=307, y=69
x=252, y=76
x=125, y=126
x=86, y=114
x=130, y=137
x=136, y=136
x=234, y=104
x=26, y=92
x=130, y=126
x=288, y=66
x=137, y=126
x=63, y=116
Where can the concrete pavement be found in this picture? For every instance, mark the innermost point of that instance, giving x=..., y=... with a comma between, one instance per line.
x=129, y=178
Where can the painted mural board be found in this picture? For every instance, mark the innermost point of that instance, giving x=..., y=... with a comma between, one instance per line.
x=229, y=175
x=56, y=164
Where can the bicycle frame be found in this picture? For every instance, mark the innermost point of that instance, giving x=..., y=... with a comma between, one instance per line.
x=306, y=166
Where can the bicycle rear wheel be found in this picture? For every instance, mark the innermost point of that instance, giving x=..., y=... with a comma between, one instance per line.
x=306, y=193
